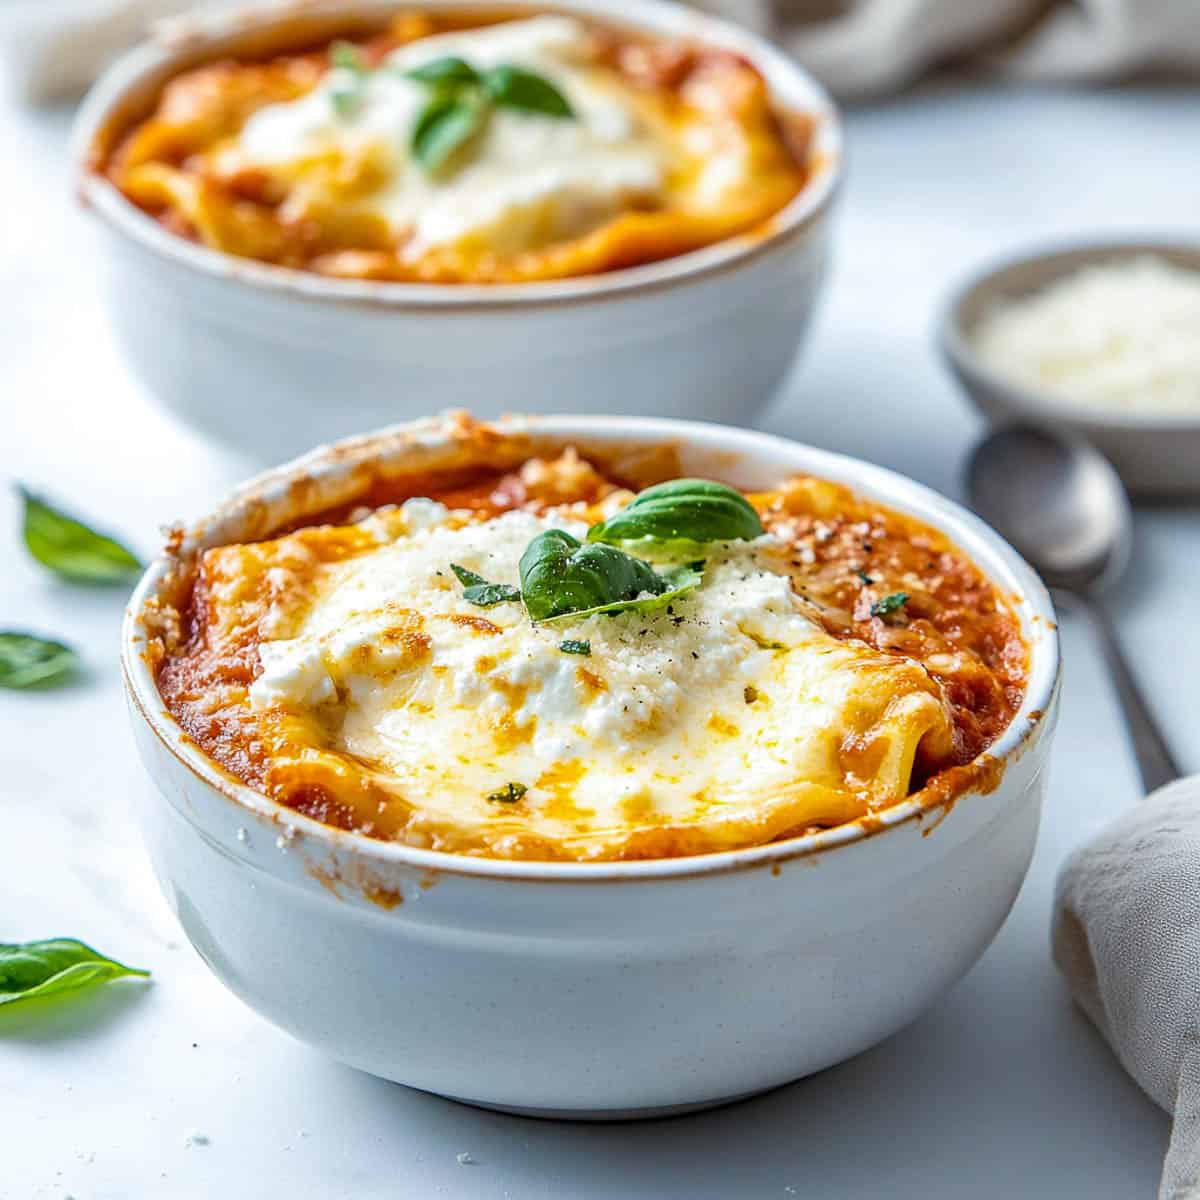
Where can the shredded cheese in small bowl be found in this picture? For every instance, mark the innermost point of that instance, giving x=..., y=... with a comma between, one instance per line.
x=1099, y=341
x=1123, y=334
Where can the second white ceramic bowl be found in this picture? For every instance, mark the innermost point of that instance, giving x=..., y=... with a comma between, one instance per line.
x=278, y=360
x=590, y=990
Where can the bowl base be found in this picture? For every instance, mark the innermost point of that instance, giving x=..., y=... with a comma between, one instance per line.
x=653, y=1113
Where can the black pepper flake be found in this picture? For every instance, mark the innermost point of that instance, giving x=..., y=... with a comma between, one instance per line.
x=749, y=693
x=694, y=654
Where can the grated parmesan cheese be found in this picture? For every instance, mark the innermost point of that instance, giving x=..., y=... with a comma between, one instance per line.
x=1120, y=335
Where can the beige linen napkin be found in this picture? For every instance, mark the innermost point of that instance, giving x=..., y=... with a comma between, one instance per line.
x=1126, y=935
x=54, y=48
x=865, y=47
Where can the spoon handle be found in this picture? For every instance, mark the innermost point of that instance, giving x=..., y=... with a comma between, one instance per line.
x=1154, y=759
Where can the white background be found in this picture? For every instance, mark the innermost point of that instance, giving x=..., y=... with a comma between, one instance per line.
x=1002, y=1090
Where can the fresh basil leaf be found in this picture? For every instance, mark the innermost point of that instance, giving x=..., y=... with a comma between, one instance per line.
x=33, y=969
x=560, y=575
x=477, y=590
x=446, y=125
x=514, y=87
x=442, y=71
x=571, y=646
x=889, y=604
x=27, y=661
x=510, y=793
x=679, y=581
x=682, y=513
x=72, y=549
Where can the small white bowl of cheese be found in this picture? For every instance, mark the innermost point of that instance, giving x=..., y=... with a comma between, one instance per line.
x=1100, y=340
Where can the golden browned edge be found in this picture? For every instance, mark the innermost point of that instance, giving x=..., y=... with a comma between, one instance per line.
x=293, y=32
x=467, y=441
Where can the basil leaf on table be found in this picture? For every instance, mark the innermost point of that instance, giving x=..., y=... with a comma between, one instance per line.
x=448, y=70
x=477, y=590
x=32, y=969
x=72, y=549
x=562, y=577
x=684, y=512
x=513, y=87
x=445, y=126
x=28, y=661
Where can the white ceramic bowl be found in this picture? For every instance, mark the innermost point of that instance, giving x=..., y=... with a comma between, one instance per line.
x=279, y=360
x=590, y=990
x=1155, y=453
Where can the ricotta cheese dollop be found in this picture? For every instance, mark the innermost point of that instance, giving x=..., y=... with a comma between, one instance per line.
x=531, y=179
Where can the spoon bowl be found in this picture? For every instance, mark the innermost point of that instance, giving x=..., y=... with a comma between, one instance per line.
x=1061, y=504
x=1058, y=501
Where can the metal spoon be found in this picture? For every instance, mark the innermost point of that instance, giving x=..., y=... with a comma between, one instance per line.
x=1061, y=504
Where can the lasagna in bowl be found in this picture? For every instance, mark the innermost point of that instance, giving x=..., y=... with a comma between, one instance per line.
x=553, y=661
x=456, y=148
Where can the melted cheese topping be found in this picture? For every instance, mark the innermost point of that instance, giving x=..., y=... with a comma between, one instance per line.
x=532, y=178
x=733, y=716
x=671, y=147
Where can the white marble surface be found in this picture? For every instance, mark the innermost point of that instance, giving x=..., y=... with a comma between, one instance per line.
x=1001, y=1090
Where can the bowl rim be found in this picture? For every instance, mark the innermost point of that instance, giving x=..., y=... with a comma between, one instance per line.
x=1000, y=562
x=1068, y=255
x=176, y=42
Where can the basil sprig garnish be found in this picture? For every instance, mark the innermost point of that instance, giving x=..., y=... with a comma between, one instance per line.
x=72, y=549
x=28, y=661
x=448, y=71
x=563, y=577
x=478, y=591
x=33, y=969
x=446, y=124
x=463, y=100
x=514, y=87
x=681, y=514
